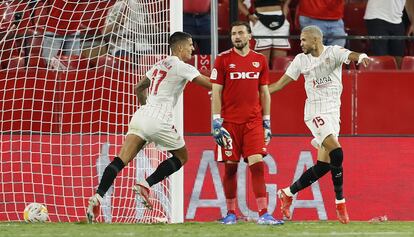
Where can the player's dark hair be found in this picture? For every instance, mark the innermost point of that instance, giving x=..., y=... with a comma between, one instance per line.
x=177, y=37
x=241, y=23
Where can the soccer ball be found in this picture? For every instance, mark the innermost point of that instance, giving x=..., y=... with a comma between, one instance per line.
x=35, y=212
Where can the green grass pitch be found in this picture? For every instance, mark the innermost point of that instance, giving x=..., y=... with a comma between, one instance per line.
x=196, y=229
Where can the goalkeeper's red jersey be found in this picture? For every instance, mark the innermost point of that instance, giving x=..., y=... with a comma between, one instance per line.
x=241, y=77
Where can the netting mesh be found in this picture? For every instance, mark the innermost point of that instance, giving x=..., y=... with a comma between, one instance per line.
x=67, y=76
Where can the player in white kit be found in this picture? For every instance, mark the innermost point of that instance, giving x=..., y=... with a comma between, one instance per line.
x=153, y=121
x=322, y=69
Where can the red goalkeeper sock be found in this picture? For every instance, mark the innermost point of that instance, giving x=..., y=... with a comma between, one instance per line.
x=230, y=186
x=231, y=206
x=259, y=187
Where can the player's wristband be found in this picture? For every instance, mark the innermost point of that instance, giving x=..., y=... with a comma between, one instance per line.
x=216, y=116
x=266, y=117
x=362, y=56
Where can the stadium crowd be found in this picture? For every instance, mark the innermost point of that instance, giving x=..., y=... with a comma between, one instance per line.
x=39, y=33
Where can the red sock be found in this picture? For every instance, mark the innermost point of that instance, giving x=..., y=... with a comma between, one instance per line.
x=259, y=187
x=262, y=205
x=231, y=206
x=230, y=186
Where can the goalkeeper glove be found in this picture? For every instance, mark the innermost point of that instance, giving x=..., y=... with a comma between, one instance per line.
x=267, y=131
x=221, y=135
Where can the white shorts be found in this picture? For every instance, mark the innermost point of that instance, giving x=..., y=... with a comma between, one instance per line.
x=151, y=129
x=322, y=126
x=261, y=44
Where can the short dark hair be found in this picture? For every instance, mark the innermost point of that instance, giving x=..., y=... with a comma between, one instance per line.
x=178, y=37
x=241, y=23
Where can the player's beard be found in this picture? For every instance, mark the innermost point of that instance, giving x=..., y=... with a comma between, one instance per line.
x=240, y=45
x=308, y=50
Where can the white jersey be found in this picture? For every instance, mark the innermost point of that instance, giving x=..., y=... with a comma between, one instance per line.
x=387, y=10
x=168, y=79
x=323, y=79
x=154, y=121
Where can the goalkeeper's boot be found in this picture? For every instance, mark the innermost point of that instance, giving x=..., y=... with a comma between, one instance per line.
x=93, y=207
x=286, y=202
x=267, y=219
x=341, y=212
x=230, y=219
x=143, y=190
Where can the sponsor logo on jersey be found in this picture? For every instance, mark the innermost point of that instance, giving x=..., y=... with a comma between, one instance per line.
x=213, y=75
x=322, y=82
x=244, y=75
x=232, y=65
x=256, y=64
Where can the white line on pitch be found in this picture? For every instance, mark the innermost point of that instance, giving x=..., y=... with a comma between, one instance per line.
x=389, y=233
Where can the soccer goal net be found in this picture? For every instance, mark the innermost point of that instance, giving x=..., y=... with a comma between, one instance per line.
x=67, y=75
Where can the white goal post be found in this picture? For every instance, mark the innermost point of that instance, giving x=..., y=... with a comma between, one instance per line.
x=177, y=179
x=67, y=75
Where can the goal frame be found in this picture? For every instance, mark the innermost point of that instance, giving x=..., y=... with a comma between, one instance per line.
x=177, y=179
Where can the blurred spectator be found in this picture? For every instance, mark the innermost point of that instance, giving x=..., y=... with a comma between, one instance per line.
x=125, y=27
x=62, y=29
x=327, y=15
x=384, y=17
x=268, y=19
x=196, y=21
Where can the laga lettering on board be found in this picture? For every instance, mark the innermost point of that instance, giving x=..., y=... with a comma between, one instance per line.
x=207, y=163
x=207, y=160
x=305, y=161
x=242, y=191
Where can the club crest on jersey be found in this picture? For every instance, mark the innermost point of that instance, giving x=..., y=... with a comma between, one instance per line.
x=256, y=64
x=228, y=153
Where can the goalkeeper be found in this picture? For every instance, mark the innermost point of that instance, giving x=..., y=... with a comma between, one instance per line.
x=241, y=118
x=153, y=121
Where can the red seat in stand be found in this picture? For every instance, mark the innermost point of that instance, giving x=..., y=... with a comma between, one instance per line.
x=380, y=63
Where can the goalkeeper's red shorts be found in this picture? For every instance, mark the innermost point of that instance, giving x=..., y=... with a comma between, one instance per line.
x=248, y=139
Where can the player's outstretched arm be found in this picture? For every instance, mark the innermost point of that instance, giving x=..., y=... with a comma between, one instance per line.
x=360, y=58
x=141, y=90
x=203, y=81
x=282, y=82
